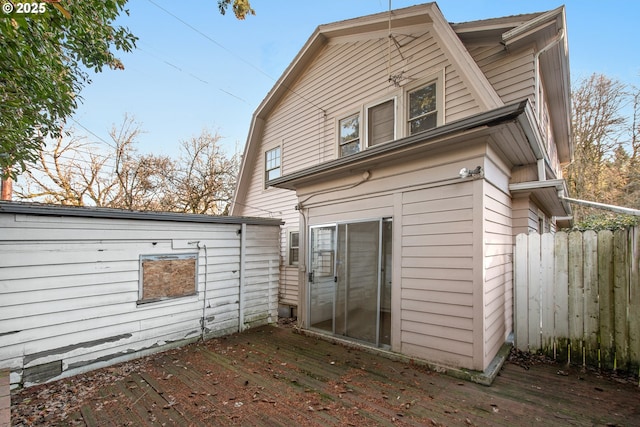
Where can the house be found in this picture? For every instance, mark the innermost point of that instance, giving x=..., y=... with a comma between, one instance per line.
x=404, y=153
x=82, y=288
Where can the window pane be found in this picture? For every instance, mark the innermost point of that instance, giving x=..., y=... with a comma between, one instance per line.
x=350, y=148
x=350, y=128
x=381, y=123
x=293, y=256
x=424, y=123
x=422, y=101
x=273, y=158
x=294, y=240
x=273, y=174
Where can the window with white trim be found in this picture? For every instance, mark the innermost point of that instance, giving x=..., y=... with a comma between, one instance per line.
x=422, y=109
x=272, y=169
x=349, y=138
x=294, y=247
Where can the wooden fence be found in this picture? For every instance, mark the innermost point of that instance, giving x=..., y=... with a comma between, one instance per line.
x=577, y=297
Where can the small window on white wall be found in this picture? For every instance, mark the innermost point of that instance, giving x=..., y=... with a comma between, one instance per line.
x=294, y=247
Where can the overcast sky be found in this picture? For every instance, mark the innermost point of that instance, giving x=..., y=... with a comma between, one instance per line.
x=195, y=69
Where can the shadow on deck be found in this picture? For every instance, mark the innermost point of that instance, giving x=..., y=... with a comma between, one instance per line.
x=273, y=376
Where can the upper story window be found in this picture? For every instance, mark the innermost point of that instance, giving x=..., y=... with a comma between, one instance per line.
x=272, y=164
x=422, y=110
x=381, y=123
x=349, y=135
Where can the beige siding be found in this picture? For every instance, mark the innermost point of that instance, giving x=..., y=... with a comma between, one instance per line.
x=437, y=274
x=334, y=84
x=525, y=215
x=337, y=84
x=498, y=270
x=511, y=74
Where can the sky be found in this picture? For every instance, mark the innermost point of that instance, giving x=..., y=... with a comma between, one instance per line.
x=194, y=69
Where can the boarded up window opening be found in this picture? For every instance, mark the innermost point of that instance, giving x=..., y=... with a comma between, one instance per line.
x=167, y=276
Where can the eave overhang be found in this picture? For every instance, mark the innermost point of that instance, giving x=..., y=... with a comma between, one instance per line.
x=549, y=195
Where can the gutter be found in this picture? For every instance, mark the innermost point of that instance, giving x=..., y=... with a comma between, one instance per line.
x=25, y=208
x=490, y=118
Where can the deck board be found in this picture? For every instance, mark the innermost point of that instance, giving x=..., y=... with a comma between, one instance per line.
x=272, y=376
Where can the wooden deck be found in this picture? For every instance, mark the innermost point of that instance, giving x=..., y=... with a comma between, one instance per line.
x=273, y=376
x=5, y=399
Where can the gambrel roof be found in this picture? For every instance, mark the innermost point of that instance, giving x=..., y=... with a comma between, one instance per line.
x=544, y=30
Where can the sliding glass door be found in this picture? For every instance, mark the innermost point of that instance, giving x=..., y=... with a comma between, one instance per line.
x=350, y=280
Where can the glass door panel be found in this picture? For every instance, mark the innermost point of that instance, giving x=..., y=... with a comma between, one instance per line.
x=322, y=277
x=350, y=280
x=357, y=285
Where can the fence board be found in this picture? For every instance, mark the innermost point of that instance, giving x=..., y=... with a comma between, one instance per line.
x=547, y=292
x=521, y=293
x=591, y=311
x=605, y=285
x=634, y=301
x=620, y=296
x=578, y=297
x=561, y=294
x=534, y=291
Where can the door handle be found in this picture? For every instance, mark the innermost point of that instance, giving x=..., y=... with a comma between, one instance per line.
x=311, y=276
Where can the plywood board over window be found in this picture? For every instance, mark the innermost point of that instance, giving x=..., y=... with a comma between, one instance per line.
x=167, y=276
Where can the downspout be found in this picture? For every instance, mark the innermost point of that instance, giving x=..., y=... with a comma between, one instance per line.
x=559, y=37
x=206, y=275
x=243, y=256
x=542, y=171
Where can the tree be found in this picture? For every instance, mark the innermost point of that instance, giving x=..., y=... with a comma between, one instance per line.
x=597, y=126
x=241, y=8
x=76, y=172
x=206, y=176
x=44, y=61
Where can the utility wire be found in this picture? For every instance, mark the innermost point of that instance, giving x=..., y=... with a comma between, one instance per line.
x=232, y=53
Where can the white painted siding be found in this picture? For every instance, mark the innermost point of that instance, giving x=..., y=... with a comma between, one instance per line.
x=69, y=289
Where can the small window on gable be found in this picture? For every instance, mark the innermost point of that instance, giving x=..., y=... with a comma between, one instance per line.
x=272, y=165
x=381, y=120
x=294, y=248
x=423, y=110
x=349, y=135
